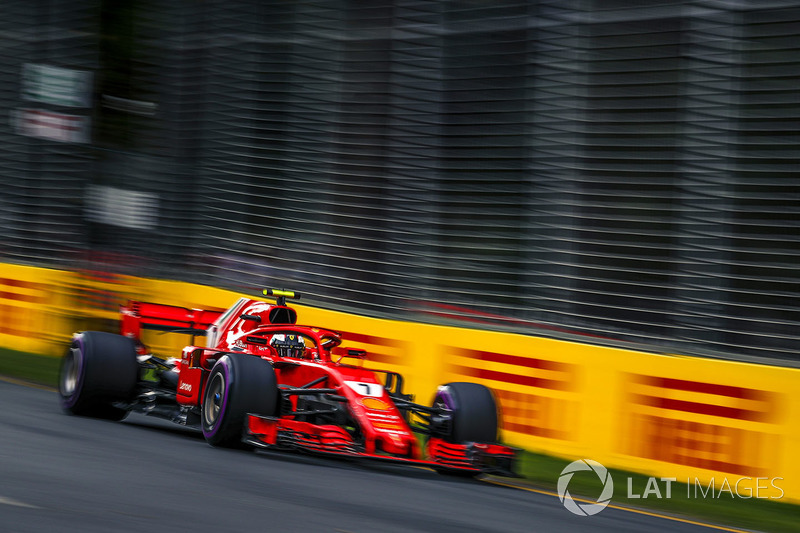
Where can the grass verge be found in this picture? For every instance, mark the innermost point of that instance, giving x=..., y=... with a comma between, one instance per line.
x=39, y=369
x=542, y=471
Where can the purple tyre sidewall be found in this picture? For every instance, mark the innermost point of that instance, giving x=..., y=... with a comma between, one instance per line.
x=79, y=360
x=224, y=365
x=446, y=398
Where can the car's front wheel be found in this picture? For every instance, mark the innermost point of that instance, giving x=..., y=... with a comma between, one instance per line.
x=237, y=385
x=473, y=410
x=473, y=418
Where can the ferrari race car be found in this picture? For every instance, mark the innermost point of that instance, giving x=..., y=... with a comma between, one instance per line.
x=264, y=381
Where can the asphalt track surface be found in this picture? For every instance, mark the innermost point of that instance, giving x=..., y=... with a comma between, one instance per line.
x=61, y=473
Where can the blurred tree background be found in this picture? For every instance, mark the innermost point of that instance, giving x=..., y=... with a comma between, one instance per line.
x=623, y=170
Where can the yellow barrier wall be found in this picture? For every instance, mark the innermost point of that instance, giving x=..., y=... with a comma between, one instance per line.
x=665, y=416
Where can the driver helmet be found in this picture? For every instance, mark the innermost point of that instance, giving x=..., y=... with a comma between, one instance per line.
x=288, y=345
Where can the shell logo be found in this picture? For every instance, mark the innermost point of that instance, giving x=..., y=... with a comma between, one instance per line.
x=375, y=403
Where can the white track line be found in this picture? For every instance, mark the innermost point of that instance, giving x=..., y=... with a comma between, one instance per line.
x=16, y=503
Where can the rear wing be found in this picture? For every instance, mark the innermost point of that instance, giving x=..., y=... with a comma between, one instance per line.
x=168, y=318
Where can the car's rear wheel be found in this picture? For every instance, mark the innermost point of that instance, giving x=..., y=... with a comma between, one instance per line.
x=237, y=385
x=98, y=370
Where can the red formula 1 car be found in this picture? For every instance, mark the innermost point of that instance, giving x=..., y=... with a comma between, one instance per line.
x=264, y=381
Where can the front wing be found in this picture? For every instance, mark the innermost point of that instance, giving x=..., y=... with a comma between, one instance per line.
x=473, y=457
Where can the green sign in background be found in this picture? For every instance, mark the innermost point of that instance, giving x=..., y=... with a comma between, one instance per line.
x=56, y=85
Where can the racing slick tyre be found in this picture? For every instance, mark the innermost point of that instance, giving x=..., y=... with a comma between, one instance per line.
x=474, y=412
x=98, y=370
x=237, y=385
x=474, y=418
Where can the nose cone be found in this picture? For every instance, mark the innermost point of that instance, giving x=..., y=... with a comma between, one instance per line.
x=392, y=434
x=399, y=444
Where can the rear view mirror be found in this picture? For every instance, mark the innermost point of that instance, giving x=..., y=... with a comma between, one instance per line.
x=352, y=354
